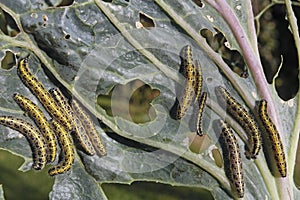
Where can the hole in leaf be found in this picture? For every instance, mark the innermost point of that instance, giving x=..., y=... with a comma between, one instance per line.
x=276, y=40
x=8, y=60
x=198, y=144
x=67, y=36
x=14, y=188
x=209, y=80
x=66, y=3
x=130, y=101
x=146, y=21
x=217, y=157
x=199, y=3
x=45, y=18
x=60, y=3
x=7, y=24
x=220, y=45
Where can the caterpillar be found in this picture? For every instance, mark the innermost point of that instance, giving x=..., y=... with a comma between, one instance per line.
x=231, y=152
x=33, y=136
x=67, y=150
x=38, y=89
x=192, y=83
x=244, y=119
x=201, y=103
x=199, y=80
x=78, y=129
x=89, y=127
x=274, y=137
x=41, y=121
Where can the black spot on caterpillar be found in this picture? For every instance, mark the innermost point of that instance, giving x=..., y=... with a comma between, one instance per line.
x=67, y=150
x=33, y=136
x=274, y=137
x=232, y=157
x=243, y=118
x=38, y=89
x=41, y=121
x=78, y=130
x=89, y=127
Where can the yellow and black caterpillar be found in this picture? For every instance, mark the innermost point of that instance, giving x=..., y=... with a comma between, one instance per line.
x=38, y=89
x=232, y=157
x=193, y=84
x=274, y=137
x=41, y=121
x=43, y=140
x=243, y=118
x=191, y=94
x=33, y=136
x=67, y=150
x=202, y=101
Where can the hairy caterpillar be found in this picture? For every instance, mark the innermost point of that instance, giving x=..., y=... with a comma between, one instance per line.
x=274, y=137
x=33, y=136
x=89, y=127
x=78, y=129
x=193, y=83
x=41, y=121
x=67, y=150
x=202, y=102
x=231, y=152
x=243, y=118
x=38, y=89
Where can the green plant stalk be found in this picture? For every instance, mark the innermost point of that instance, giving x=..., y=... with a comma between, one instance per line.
x=295, y=135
